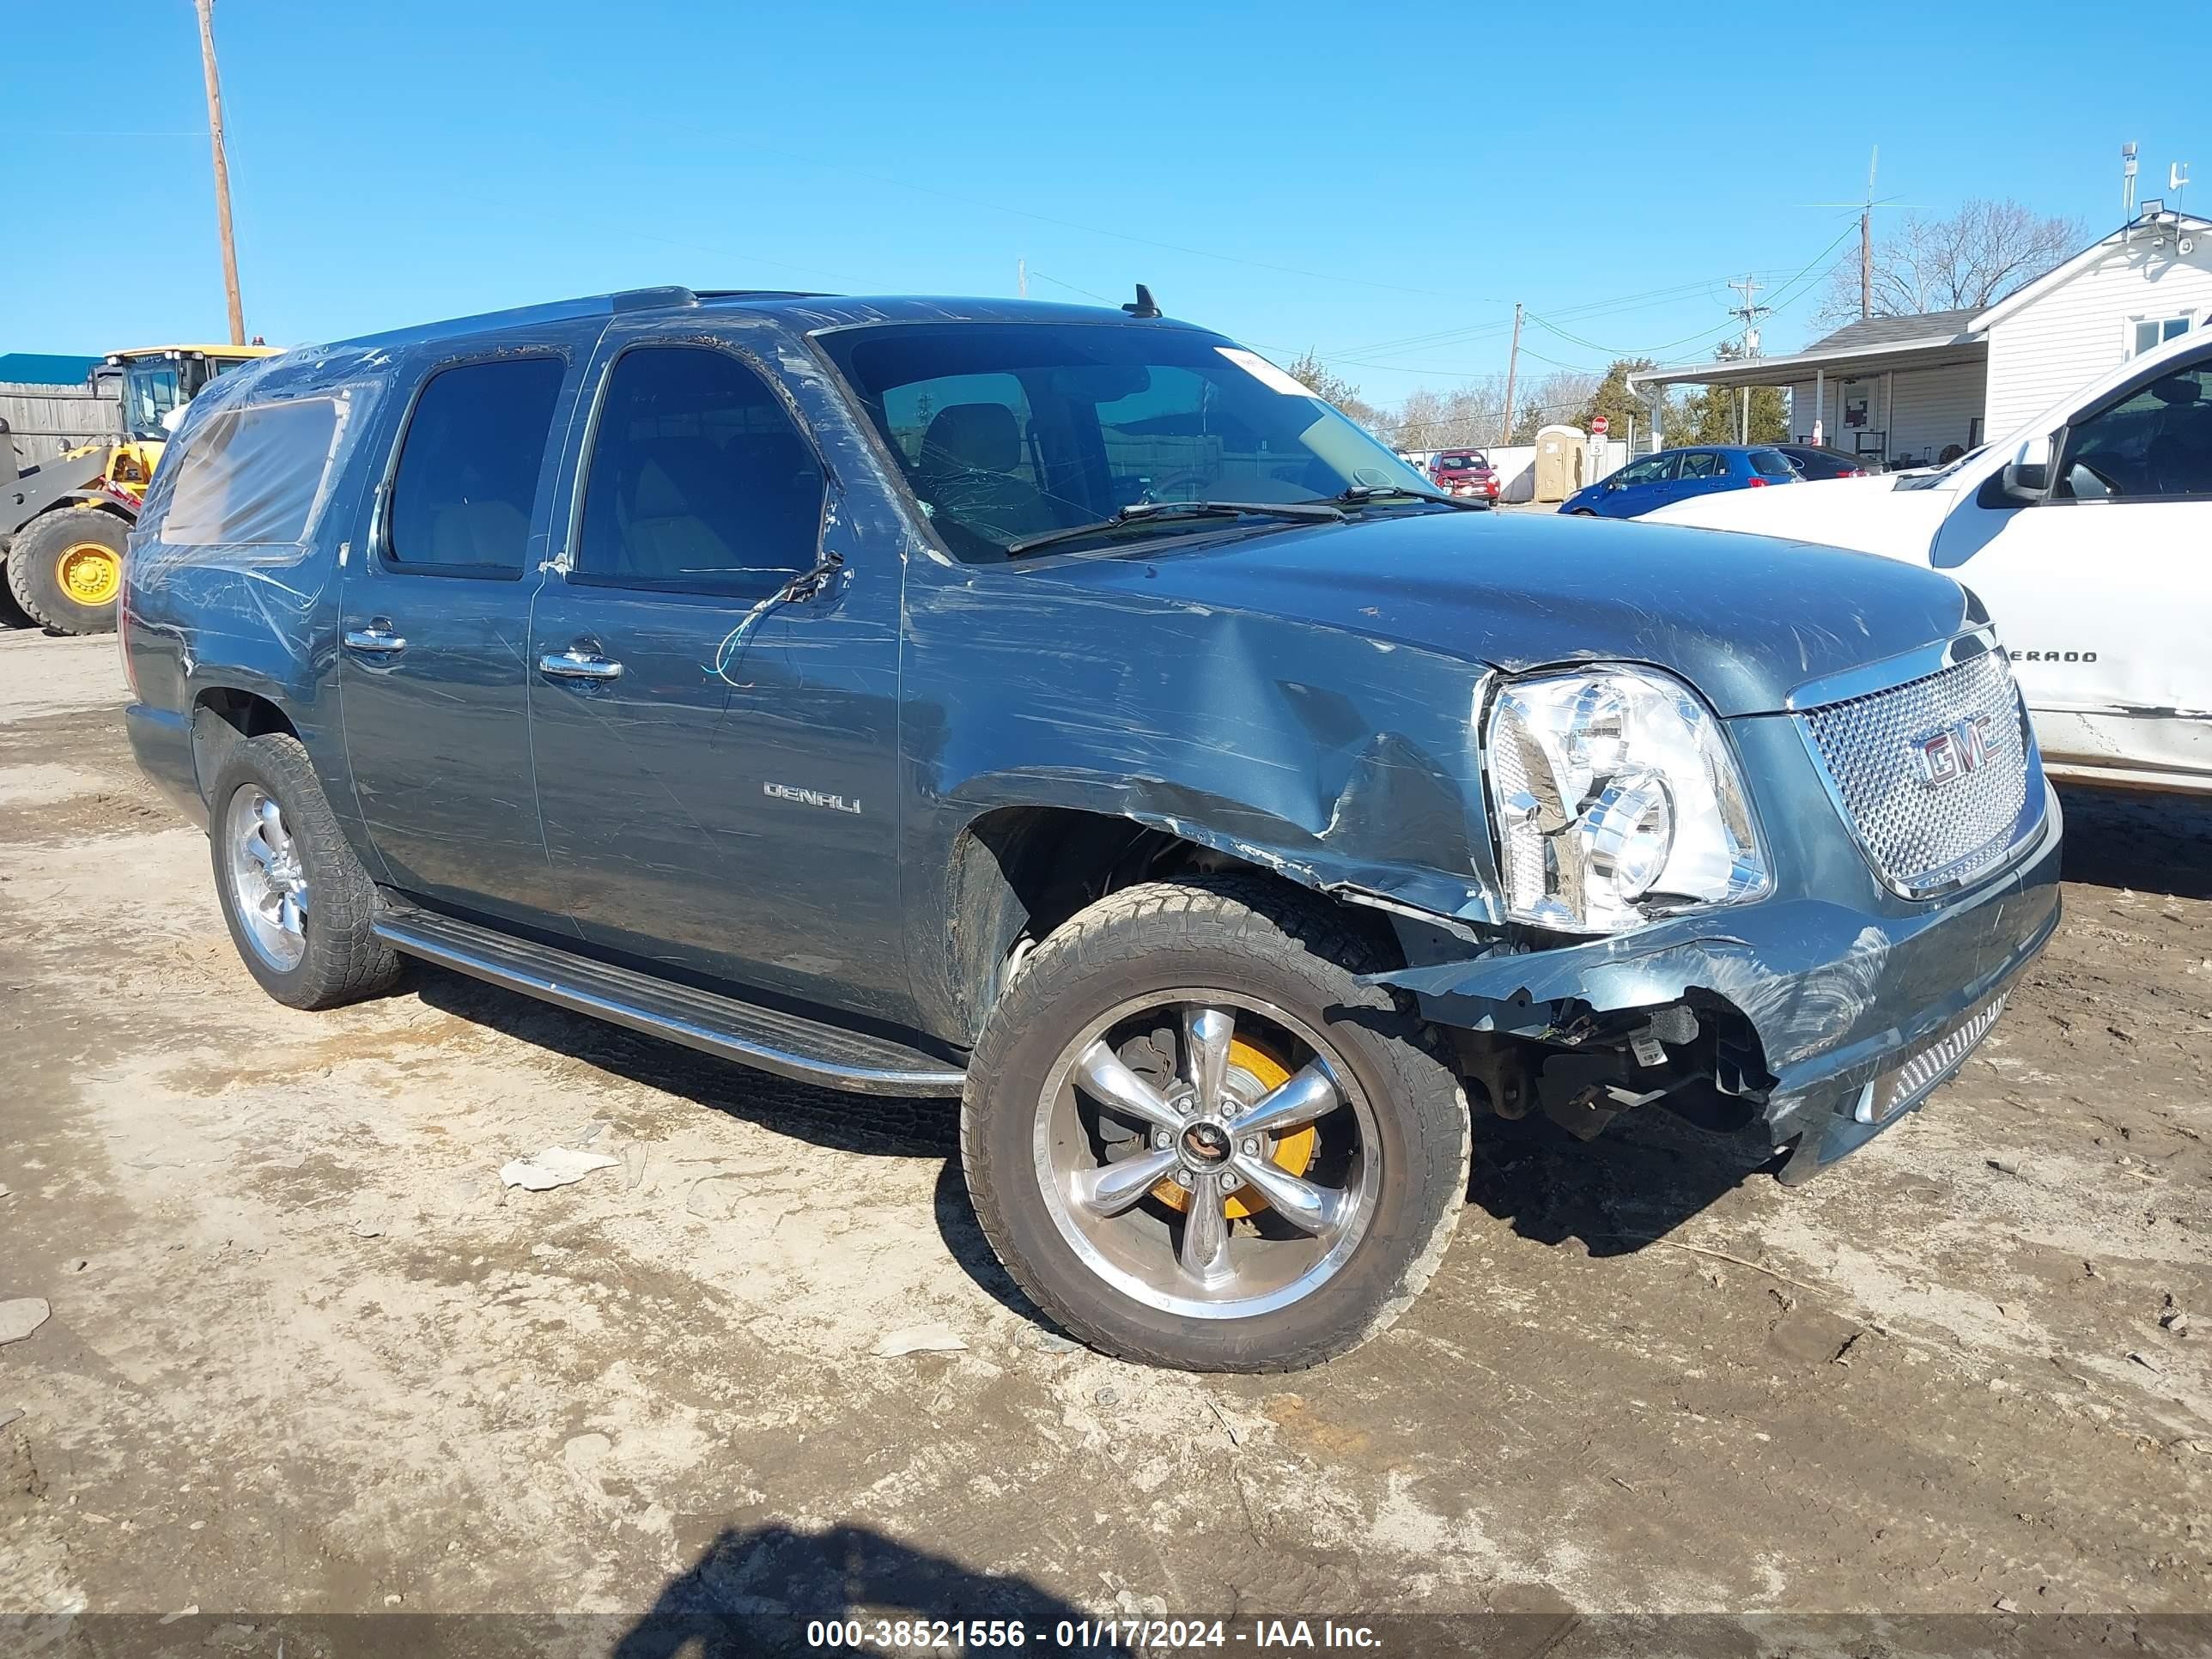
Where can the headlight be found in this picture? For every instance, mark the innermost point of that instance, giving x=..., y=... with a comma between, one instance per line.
x=1617, y=800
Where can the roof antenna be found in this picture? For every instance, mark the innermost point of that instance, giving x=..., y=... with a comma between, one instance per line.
x=1144, y=308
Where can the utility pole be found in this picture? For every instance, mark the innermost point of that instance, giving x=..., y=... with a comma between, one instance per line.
x=1022, y=277
x=1512, y=365
x=221, y=172
x=1751, y=313
x=1866, y=241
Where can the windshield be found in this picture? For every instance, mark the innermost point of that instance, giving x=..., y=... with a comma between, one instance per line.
x=1936, y=479
x=149, y=392
x=1460, y=460
x=1009, y=431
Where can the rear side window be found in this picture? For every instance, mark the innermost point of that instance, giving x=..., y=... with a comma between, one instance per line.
x=252, y=476
x=700, y=479
x=1771, y=464
x=1702, y=464
x=467, y=479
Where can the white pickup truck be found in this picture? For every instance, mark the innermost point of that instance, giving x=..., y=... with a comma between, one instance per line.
x=2087, y=534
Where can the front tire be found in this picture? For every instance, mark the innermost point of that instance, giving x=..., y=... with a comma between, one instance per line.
x=1196, y=1140
x=299, y=906
x=65, y=568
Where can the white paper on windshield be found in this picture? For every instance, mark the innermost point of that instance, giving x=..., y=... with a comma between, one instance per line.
x=1265, y=372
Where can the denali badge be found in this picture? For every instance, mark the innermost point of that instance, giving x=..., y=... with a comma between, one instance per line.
x=1957, y=750
x=810, y=796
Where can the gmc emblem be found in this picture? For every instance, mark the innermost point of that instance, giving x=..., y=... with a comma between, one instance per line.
x=1957, y=750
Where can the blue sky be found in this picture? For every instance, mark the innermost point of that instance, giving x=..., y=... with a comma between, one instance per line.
x=1338, y=177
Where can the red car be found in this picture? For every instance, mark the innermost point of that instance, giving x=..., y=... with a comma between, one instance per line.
x=1464, y=472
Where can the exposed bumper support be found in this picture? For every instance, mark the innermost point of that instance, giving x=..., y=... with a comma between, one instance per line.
x=1838, y=996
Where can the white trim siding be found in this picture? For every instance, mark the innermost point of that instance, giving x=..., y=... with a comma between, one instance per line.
x=2079, y=327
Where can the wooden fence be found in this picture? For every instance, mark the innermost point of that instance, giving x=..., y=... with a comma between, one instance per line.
x=46, y=420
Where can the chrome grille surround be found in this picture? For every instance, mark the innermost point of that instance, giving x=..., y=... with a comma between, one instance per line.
x=1928, y=827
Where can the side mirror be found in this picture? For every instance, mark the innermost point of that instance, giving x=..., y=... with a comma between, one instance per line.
x=2026, y=476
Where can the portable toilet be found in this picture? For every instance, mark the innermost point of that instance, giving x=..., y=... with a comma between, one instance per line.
x=1562, y=462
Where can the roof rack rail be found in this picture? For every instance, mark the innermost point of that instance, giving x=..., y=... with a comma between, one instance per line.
x=647, y=299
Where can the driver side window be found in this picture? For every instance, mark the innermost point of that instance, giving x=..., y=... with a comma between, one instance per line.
x=2154, y=443
x=1652, y=468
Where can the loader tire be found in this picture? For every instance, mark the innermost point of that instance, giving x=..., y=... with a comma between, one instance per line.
x=12, y=614
x=65, y=568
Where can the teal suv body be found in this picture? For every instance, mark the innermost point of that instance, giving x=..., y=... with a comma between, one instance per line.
x=1064, y=711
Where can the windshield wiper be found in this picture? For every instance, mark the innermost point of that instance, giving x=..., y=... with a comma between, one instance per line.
x=1149, y=511
x=1360, y=495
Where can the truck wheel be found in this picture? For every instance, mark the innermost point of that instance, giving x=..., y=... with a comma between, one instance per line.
x=66, y=569
x=298, y=903
x=1196, y=1139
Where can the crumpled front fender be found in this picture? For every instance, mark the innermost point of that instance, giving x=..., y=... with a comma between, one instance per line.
x=1835, y=993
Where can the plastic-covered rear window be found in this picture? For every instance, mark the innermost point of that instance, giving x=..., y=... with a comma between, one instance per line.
x=252, y=475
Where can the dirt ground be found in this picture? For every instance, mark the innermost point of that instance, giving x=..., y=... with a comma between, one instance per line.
x=307, y=1354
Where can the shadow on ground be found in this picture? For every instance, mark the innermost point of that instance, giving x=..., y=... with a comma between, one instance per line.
x=2150, y=843
x=1644, y=1177
x=757, y=1591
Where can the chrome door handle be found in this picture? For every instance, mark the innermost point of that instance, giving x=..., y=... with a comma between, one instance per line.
x=377, y=639
x=578, y=666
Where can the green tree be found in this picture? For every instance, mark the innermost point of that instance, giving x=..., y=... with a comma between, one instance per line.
x=1709, y=415
x=1331, y=387
x=1625, y=411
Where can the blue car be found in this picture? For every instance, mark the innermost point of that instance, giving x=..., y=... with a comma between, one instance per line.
x=1066, y=714
x=1675, y=475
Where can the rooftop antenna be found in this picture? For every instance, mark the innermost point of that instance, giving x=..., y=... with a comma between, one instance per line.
x=2176, y=180
x=1866, y=207
x=1144, y=306
x=2127, y=182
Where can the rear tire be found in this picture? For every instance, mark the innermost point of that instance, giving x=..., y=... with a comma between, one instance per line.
x=65, y=568
x=1389, y=1156
x=299, y=906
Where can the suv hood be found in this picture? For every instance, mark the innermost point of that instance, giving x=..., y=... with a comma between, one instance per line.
x=1745, y=619
x=1871, y=514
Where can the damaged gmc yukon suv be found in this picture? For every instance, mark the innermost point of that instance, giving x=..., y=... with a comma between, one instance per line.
x=1064, y=711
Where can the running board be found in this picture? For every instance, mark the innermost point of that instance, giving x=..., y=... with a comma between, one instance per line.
x=789, y=1045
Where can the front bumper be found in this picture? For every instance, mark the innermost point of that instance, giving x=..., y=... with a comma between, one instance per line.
x=1840, y=996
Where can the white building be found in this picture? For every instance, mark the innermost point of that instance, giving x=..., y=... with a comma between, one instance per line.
x=1906, y=390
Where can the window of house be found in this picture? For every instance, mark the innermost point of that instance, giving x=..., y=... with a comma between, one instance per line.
x=699, y=478
x=2148, y=333
x=467, y=480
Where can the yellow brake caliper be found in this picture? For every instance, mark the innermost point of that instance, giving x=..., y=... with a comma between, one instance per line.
x=1294, y=1152
x=89, y=573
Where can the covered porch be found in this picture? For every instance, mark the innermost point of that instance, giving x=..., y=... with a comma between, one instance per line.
x=1899, y=391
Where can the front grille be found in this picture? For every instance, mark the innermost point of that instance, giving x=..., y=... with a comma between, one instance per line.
x=1933, y=774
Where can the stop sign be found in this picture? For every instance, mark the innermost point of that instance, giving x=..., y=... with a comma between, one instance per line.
x=1598, y=424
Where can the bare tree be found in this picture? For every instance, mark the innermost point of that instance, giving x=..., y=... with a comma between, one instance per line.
x=1974, y=257
x=1465, y=418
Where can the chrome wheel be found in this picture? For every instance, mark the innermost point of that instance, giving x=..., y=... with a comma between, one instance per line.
x=268, y=883
x=1207, y=1154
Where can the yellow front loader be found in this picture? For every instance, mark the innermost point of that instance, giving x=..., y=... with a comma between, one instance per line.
x=63, y=522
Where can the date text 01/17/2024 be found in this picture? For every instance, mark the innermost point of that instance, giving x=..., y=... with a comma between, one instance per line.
x=1086, y=1635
